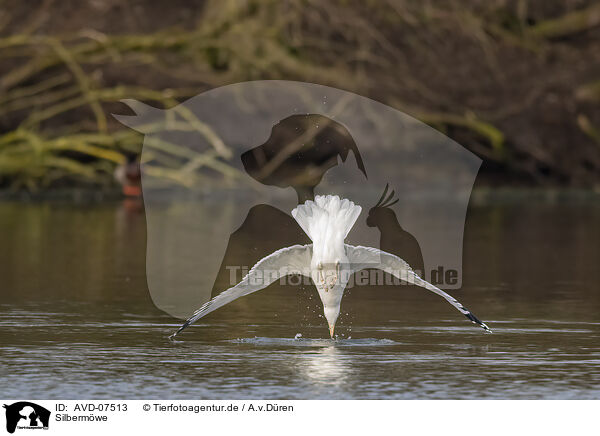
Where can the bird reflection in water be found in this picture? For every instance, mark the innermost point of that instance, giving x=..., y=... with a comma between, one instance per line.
x=326, y=366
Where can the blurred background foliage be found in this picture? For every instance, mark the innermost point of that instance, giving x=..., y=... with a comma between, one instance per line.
x=516, y=82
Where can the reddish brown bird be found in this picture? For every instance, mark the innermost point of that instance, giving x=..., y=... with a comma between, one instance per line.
x=129, y=175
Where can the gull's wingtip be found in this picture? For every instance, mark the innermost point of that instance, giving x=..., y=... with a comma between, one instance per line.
x=172, y=337
x=182, y=328
x=477, y=321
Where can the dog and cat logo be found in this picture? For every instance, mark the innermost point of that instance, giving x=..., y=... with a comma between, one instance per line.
x=26, y=415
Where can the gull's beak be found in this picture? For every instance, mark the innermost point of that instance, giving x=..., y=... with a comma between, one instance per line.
x=331, y=329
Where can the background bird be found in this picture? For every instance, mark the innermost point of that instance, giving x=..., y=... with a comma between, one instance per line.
x=328, y=261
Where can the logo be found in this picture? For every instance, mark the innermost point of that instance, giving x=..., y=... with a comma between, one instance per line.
x=26, y=415
x=279, y=144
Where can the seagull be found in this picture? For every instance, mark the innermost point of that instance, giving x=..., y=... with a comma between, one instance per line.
x=328, y=261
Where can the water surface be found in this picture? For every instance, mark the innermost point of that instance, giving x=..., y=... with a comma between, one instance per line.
x=77, y=321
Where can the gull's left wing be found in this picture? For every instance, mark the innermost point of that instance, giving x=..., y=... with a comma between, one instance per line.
x=368, y=257
x=290, y=260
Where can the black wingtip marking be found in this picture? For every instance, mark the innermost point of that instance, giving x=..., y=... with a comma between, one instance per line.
x=473, y=318
x=182, y=328
x=477, y=321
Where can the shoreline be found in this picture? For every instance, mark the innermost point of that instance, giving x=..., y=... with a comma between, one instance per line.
x=479, y=195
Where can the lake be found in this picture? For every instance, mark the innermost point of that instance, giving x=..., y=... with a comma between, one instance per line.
x=77, y=320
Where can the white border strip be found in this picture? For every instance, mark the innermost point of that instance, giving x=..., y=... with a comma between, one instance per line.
x=447, y=418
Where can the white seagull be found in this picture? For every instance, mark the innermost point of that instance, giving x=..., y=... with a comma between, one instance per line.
x=328, y=261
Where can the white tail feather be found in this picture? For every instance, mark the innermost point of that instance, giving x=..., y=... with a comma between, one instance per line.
x=328, y=217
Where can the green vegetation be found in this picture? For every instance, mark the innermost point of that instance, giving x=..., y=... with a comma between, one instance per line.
x=516, y=82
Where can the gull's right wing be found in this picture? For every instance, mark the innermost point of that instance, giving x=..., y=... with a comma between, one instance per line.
x=290, y=260
x=368, y=257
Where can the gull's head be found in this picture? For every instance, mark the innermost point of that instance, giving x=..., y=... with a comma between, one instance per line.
x=327, y=221
x=326, y=273
x=327, y=270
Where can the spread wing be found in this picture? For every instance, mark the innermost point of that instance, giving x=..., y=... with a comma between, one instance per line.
x=367, y=257
x=290, y=260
